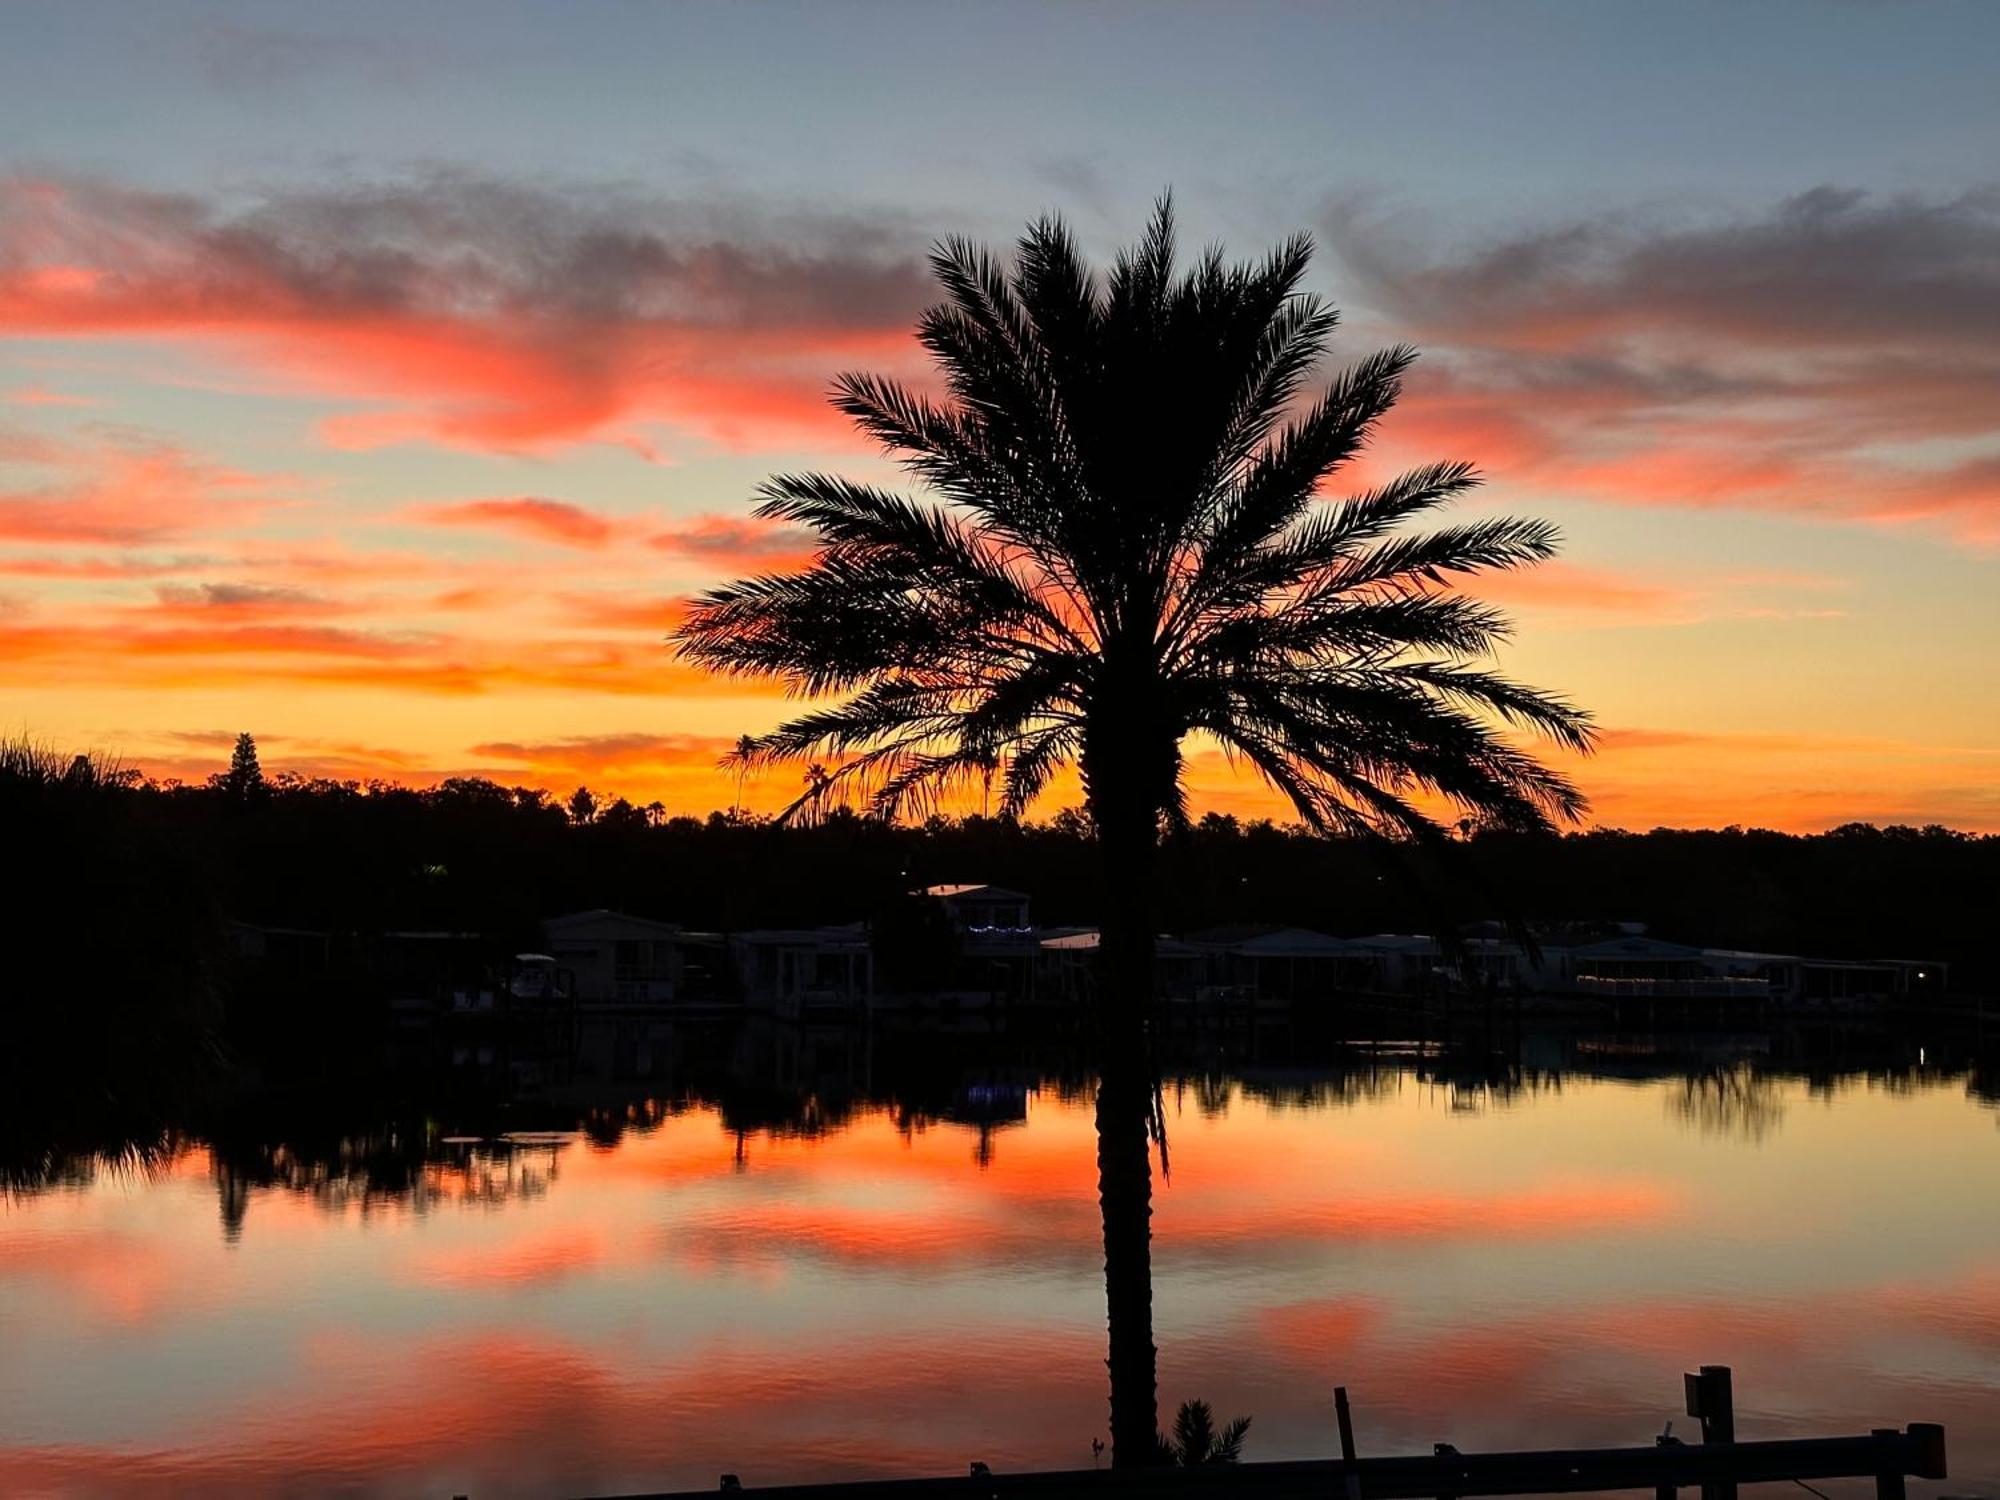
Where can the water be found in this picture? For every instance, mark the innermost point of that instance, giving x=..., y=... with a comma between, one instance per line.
x=829, y=1278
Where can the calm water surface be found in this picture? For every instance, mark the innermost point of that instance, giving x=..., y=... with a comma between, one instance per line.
x=876, y=1290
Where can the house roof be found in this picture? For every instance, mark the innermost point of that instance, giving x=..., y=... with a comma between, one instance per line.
x=1399, y=942
x=953, y=892
x=1632, y=947
x=1089, y=939
x=601, y=915
x=850, y=935
x=1293, y=942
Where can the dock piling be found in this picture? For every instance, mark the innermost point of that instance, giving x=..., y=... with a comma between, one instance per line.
x=1711, y=1400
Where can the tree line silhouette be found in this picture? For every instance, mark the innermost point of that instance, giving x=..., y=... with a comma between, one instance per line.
x=474, y=856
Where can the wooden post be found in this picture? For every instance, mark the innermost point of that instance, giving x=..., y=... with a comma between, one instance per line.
x=1929, y=1438
x=1444, y=1450
x=1346, y=1418
x=1888, y=1484
x=1710, y=1399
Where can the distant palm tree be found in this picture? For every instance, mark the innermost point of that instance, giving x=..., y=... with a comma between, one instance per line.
x=740, y=757
x=1124, y=544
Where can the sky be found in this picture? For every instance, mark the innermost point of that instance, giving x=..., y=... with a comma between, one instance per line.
x=376, y=379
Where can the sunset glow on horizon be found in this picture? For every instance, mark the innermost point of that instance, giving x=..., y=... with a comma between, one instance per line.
x=381, y=389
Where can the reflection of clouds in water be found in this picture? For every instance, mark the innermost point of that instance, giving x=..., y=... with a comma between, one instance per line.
x=867, y=1297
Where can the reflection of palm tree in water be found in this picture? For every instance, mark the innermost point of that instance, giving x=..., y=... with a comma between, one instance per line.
x=1125, y=1097
x=1730, y=1101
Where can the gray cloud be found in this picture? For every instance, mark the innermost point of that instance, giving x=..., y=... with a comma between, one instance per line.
x=239, y=596
x=495, y=313
x=235, y=56
x=468, y=245
x=1800, y=359
x=1829, y=269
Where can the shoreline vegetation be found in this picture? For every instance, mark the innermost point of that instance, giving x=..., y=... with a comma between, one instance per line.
x=132, y=878
x=122, y=1010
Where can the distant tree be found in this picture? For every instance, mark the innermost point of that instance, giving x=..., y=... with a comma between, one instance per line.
x=740, y=757
x=245, y=777
x=1071, y=823
x=812, y=802
x=582, y=805
x=1196, y=1442
x=621, y=814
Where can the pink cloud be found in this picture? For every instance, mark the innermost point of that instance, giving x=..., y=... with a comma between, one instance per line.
x=121, y=487
x=475, y=312
x=732, y=544
x=529, y=516
x=39, y=395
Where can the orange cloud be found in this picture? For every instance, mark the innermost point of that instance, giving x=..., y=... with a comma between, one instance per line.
x=530, y=516
x=241, y=602
x=123, y=487
x=619, y=612
x=623, y=755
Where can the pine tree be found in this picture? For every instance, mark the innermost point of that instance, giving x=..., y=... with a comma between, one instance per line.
x=245, y=777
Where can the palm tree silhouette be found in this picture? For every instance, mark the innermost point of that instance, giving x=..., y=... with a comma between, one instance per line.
x=1124, y=544
x=745, y=748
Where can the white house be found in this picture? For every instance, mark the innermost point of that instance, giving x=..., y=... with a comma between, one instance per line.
x=616, y=958
x=800, y=971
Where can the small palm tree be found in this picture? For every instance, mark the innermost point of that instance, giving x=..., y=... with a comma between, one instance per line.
x=1130, y=538
x=1197, y=1442
x=812, y=802
x=740, y=757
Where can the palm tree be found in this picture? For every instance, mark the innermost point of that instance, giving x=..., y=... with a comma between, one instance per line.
x=1129, y=537
x=740, y=757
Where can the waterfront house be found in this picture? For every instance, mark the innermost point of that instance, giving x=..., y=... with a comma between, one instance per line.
x=998, y=945
x=983, y=910
x=617, y=959
x=1796, y=980
x=1066, y=972
x=804, y=972
x=1280, y=965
